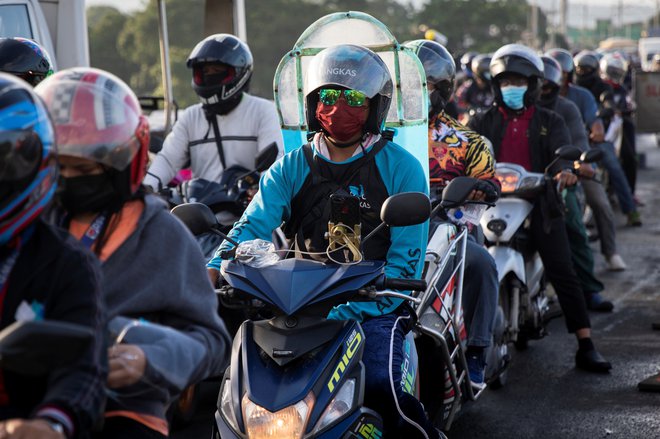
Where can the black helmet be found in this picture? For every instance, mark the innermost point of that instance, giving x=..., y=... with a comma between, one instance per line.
x=552, y=70
x=439, y=68
x=481, y=67
x=519, y=59
x=26, y=59
x=563, y=57
x=355, y=68
x=586, y=68
x=586, y=58
x=225, y=88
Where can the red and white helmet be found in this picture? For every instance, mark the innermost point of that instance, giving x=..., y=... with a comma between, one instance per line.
x=98, y=117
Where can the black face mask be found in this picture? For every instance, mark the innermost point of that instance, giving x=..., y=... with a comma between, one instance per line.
x=548, y=100
x=437, y=101
x=586, y=81
x=223, y=107
x=88, y=193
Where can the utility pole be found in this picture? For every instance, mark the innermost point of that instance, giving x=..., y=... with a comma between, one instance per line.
x=563, y=14
x=535, y=25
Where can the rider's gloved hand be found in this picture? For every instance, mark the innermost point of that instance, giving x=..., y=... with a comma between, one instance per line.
x=486, y=191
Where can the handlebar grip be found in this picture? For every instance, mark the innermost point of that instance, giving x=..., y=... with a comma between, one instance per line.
x=402, y=284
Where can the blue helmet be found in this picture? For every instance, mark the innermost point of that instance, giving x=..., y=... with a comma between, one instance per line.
x=28, y=165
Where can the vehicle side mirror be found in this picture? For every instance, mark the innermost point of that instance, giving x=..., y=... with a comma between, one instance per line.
x=39, y=347
x=568, y=153
x=457, y=191
x=591, y=156
x=197, y=217
x=406, y=209
x=266, y=158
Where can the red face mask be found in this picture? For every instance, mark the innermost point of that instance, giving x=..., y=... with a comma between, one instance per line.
x=341, y=121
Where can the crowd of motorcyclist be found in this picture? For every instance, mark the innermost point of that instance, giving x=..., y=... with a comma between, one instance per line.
x=84, y=238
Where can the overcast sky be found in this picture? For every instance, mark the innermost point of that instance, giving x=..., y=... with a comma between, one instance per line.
x=580, y=13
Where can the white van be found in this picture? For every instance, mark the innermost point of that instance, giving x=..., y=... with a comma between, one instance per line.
x=647, y=48
x=59, y=26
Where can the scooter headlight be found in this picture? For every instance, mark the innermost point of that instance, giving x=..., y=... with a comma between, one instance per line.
x=341, y=404
x=226, y=407
x=288, y=423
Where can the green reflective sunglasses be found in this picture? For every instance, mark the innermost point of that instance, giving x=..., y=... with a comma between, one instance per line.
x=330, y=96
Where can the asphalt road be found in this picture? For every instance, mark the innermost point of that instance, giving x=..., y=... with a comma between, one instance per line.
x=545, y=396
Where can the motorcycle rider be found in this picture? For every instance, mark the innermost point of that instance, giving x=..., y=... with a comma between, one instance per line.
x=526, y=134
x=588, y=106
x=348, y=92
x=229, y=126
x=455, y=151
x=613, y=70
x=26, y=59
x=475, y=95
x=153, y=270
x=587, y=76
x=583, y=259
x=44, y=274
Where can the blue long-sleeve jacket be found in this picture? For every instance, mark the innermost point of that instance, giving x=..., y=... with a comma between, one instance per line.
x=397, y=170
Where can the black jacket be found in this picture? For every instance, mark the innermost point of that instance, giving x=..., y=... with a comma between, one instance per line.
x=53, y=270
x=547, y=132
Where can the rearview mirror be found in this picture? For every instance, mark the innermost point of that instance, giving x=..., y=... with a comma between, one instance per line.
x=591, y=156
x=197, y=217
x=457, y=191
x=39, y=347
x=266, y=158
x=406, y=209
x=568, y=152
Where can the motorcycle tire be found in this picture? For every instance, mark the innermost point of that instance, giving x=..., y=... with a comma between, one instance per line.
x=521, y=343
x=500, y=381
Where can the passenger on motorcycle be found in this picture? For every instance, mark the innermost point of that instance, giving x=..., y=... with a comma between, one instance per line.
x=583, y=259
x=26, y=59
x=348, y=92
x=44, y=274
x=161, y=306
x=456, y=151
x=587, y=68
x=594, y=191
x=588, y=106
x=229, y=127
x=526, y=134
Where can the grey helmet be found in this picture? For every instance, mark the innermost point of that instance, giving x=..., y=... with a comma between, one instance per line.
x=355, y=68
x=614, y=68
x=519, y=59
x=439, y=68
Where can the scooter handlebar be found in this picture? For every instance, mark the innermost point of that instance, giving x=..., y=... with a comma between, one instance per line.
x=394, y=283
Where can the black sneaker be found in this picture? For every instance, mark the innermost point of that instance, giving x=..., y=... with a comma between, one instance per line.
x=597, y=303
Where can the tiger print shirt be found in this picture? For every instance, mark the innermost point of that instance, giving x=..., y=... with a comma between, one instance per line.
x=455, y=151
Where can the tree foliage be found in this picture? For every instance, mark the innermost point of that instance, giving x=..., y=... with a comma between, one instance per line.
x=128, y=46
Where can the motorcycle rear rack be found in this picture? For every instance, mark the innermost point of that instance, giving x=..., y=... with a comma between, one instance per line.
x=451, y=324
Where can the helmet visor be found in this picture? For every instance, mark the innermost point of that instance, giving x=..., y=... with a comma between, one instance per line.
x=20, y=154
x=95, y=118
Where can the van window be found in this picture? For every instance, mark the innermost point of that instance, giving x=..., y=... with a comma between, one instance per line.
x=15, y=22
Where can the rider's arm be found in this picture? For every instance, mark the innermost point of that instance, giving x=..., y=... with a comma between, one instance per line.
x=271, y=205
x=187, y=304
x=479, y=161
x=75, y=394
x=175, y=153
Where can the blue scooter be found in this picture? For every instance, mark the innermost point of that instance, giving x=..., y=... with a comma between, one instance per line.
x=297, y=374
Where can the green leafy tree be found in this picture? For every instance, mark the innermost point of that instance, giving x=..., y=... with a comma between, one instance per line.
x=105, y=23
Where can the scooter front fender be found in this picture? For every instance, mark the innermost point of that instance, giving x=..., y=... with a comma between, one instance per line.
x=508, y=260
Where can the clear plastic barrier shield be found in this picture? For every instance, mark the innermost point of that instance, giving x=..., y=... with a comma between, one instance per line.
x=408, y=112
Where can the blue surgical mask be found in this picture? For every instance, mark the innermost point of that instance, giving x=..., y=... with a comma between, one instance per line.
x=513, y=96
